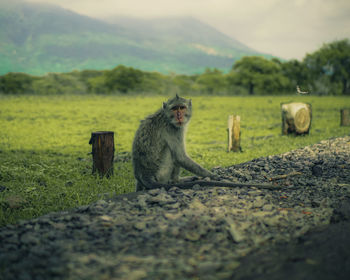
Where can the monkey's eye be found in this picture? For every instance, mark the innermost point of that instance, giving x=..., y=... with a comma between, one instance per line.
x=178, y=107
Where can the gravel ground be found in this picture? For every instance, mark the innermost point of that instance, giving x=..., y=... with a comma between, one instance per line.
x=298, y=232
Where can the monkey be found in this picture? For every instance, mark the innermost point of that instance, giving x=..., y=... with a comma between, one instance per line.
x=158, y=150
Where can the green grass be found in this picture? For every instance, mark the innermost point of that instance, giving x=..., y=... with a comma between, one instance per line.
x=45, y=164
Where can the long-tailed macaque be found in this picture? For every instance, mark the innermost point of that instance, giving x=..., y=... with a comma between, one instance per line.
x=159, y=152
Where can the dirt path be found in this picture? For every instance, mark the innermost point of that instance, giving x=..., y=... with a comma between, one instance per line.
x=299, y=232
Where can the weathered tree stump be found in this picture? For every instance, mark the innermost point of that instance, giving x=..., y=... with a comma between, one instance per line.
x=234, y=133
x=296, y=118
x=345, y=117
x=102, y=152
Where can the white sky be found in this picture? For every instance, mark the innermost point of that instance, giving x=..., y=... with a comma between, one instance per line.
x=285, y=28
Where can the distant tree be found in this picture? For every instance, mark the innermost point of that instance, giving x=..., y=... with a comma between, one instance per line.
x=123, y=79
x=87, y=74
x=183, y=83
x=16, y=83
x=96, y=85
x=154, y=82
x=211, y=81
x=330, y=65
x=258, y=74
x=296, y=72
x=59, y=83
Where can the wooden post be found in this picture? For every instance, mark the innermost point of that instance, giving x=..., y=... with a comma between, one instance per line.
x=345, y=117
x=296, y=118
x=102, y=152
x=234, y=133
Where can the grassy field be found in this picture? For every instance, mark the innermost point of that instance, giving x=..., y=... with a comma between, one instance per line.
x=45, y=164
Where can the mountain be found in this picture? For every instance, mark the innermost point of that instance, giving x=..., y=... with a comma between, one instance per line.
x=41, y=38
x=178, y=30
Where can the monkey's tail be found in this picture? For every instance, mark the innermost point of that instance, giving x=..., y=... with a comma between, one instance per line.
x=188, y=185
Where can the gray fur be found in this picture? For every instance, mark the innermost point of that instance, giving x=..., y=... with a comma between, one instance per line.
x=158, y=150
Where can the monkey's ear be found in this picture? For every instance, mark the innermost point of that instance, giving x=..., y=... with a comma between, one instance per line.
x=190, y=103
x=177, y=96
x=164, y=105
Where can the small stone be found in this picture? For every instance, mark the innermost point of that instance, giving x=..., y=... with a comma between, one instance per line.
x=171, y=216
x=59, y=226
x=28, y=238
x=273, y=221
x=208, y=267
x=102, y=203
x=316, y=170
x=15, y=201
x=175, y=231
x=142, y=200
x=106, y=218
x=268, y=207
x=173, y=206
x=137, y=274
x=258, y=202
x=154, y=192
x=233, y=228
x=259, y=239
x=192, y=236
x=161, y=199
x=261, y=214
x=254, y=192
x=140, y=225
x=13, y=238
x=232, y=265
x=175, y=190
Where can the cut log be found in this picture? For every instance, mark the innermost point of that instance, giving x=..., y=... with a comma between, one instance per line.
x=296, y=118
x=234, y=133
x=102, y=152
x=345, y=117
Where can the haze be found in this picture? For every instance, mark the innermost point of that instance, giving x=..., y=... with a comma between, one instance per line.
x=284, y=28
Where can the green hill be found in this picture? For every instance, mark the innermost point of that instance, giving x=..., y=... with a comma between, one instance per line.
x=41, y=38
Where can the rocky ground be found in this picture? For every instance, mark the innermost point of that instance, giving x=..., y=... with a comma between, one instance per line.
x=301, y=231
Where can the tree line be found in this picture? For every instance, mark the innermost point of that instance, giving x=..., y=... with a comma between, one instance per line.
x=324, y=72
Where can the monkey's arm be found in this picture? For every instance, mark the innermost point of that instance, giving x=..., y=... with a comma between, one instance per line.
x=177, y=148
x=189, y=164
x=192, y=166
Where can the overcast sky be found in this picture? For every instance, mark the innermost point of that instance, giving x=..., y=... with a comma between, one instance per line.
x=285, y=28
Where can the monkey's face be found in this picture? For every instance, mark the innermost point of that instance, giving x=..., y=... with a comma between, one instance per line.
x=178, y=111
x=179, y=117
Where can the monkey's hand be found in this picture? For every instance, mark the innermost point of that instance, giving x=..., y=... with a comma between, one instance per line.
x=214, y=176
x=188, y=179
